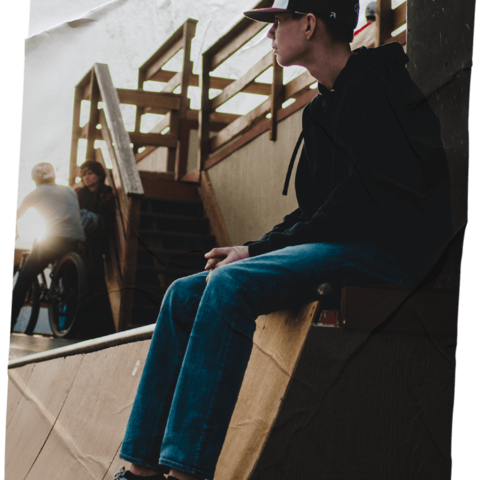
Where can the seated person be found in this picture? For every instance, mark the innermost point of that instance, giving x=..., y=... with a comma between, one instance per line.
x=97, y=205
x=368, y=213
x=58, y=206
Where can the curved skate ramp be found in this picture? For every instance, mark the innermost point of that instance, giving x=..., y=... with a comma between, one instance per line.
x=67, y=408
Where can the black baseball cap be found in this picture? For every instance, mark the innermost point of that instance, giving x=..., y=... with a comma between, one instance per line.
x=344, y=11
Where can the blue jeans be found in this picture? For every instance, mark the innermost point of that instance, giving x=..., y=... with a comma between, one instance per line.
x=203, y=339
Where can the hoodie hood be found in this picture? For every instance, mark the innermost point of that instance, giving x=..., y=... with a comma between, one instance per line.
x=385, y=63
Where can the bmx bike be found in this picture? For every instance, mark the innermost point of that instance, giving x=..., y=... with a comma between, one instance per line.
x=65, y=295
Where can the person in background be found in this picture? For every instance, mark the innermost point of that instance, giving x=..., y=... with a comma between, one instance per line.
x=97, y=210
x=97, y=205
x=58, y=206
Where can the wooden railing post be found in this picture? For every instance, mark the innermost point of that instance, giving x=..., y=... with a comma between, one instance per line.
x=181, y=159
x=139, y=110
x=384, y=22
x=130, y=263
x=276, y=97
x=93, y=118
x=204, y=113
x=120, y=275
x=76, y=133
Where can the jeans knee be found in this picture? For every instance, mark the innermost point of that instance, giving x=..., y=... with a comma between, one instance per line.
x=224, y=278
x=230, y=284
x=186, y=290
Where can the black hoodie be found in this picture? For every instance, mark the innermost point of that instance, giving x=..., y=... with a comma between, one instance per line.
x=373, y=166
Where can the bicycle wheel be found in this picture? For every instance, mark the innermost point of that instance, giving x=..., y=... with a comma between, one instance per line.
x=30, y=309
x=67, y=295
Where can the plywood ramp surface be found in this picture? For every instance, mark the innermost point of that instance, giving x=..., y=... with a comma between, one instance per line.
x=67, y=416
x=278, y=343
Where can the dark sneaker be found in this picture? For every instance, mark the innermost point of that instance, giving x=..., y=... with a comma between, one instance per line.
x=127, y=475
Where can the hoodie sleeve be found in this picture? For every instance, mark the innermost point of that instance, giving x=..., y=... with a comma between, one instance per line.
x=383, y=193
x=255, y=247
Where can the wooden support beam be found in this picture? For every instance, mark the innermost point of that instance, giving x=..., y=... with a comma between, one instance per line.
x=214, y=214
x=139, y=110
x=169, y=48
x=174, y=49
x=153, y=139
x=192, y=177
x=298, y=85
x=163, y=124
x=401, y=38
x=241, y=83
x=277, y=97
x=220, y=117
x=141, y=98
x=180, y=125
x=116, y=171
x=218, y=83
x=181, y=154
x=141, y=155
x=76, y=132
x=217, y=117
x=130, y=264
x=173, y=83
x=235, y=38
x=157, y=129
x=86, y=93
x=93, y=117
x=204, y=114
x=384, y=22
x=239, y=126
x=120, y=138
x=167, y=51
x=399, y=16
x=84, y=132
x=113, y=281
x=85, y=81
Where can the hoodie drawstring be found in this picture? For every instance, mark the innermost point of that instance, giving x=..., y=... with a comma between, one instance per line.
x=292, y=162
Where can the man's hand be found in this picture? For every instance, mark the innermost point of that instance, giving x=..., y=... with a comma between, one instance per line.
x=218, y=257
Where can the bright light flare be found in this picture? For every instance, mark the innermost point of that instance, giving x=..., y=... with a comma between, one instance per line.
x=30, y=227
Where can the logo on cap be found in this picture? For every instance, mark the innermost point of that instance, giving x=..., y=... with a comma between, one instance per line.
x=333, y=14
x=357, y=7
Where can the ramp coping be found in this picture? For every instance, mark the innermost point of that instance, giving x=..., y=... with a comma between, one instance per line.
x=128, y=336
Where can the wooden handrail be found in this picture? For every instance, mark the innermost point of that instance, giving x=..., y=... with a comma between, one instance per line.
x=124, y=178
x=239, y=85
x=218, y=83
x=124, y=158
x=215, y=56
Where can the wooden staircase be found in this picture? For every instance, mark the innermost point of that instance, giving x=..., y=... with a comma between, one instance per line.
x=174, y=235
x=160, y=231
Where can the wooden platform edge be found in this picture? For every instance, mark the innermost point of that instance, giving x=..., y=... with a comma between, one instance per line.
x=128, y=336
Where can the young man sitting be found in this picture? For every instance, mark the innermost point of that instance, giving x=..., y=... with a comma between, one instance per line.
x=373, y=193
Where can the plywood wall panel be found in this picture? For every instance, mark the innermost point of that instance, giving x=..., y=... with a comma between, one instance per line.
x=248, y=184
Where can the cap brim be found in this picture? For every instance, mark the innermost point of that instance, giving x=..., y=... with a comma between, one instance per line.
x=266, y=15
